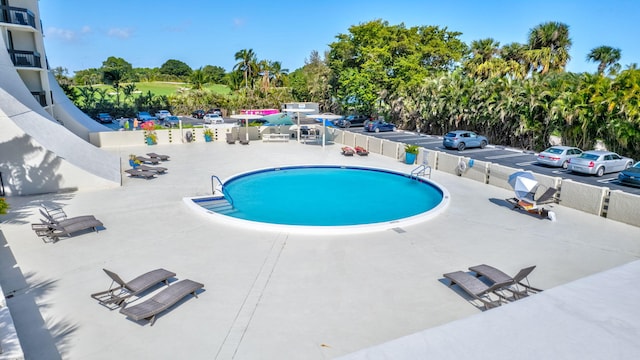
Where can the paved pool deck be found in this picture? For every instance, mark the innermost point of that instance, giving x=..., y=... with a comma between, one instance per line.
x=279, y=295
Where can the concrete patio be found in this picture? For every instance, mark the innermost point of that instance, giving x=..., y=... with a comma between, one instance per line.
x=275, y=295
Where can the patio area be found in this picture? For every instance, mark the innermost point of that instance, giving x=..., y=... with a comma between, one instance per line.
x=276, y=295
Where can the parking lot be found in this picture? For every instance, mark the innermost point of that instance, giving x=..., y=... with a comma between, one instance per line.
x=504, y=156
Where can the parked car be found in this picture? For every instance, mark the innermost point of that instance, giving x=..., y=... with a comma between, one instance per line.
x=630, y=176
x=145, y=116
x=378, y=126
x=462, y=139
x=198, y=114
x=599, y=162
x=352, y=120
x=213, y=119
x=171, y=121
x=215, y=111
x=162, y=114
x=104, y=118
x=558, y=156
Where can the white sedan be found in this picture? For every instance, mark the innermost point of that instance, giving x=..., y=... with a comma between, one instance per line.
x=213, y=119
x=599, y=162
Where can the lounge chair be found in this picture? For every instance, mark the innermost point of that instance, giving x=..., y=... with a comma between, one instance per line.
x=347, y=151
x=141, y=173
x=146, y=160
x=56, y=218
x=547, y=197
x=155, y=169
x=162, y=301
x=478, y=289
x=361, y=151
x=67, y=228
x=116, y=296
x=158, y=156
x=497, y=276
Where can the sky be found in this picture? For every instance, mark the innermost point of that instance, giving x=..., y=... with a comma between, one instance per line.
x=81, y=34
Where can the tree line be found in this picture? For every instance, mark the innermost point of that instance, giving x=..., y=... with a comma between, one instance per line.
x=424, y=78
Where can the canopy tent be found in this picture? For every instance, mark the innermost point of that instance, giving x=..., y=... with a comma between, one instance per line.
x=299, y=111
x=246, y=118
x=278, y=119
x=326, y=119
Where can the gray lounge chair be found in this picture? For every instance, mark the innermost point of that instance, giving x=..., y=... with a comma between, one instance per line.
x=116, y=296
x=141, y=173
x=477, y=289
x=155, y=169
x=146, y=160
x=49, y=218
x=497, y=276
x=67, y=228
x=547, y=197
x=158, y=156
x=163, y=300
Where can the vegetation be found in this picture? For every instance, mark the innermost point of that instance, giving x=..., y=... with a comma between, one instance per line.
x=4, y=206
x=421, y=78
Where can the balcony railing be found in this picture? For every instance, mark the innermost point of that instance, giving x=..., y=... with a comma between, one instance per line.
x=18, y=16
x=40, y=97
x=25, y=58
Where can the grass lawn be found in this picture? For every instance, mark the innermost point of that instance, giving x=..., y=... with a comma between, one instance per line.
x=168, y=88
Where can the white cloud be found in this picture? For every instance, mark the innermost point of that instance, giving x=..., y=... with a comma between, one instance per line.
x=119, y=33
x=64, y=34
x=86, y=29
x=237, y=22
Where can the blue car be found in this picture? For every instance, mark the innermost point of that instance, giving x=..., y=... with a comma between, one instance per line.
x=378, y=126
x=630, y=176
x=462, y=139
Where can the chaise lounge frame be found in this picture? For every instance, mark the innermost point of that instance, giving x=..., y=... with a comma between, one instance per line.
x=163, y=300
x=116, y=296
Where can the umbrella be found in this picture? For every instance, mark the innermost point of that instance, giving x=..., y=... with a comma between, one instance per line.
x=326, y=119
x=298, y=111
x=246, y=118
x=523, y=183
x=278, y=119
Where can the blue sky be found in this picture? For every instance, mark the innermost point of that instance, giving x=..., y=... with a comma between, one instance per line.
x=81, y=34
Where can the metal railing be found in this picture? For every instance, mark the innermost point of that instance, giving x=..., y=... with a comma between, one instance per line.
x=25, y=58
x=16, y=15
x=224, y=192
x=422, y=170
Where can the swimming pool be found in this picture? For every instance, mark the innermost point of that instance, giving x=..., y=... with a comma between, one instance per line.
x=324, y=199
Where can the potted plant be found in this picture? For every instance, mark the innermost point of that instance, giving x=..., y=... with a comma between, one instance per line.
x=149, y=132
x=133, y=161
x=208, y=135
x=410, y=153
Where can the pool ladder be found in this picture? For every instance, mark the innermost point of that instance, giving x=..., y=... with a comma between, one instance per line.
x=227, y=196
x=422, y=170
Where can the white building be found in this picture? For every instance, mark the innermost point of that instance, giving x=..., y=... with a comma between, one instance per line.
x=43, y=137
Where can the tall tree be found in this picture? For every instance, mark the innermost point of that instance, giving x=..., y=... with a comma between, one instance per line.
x=549, y=45
x=606, y=57
x=175, y=68
x=247, y=64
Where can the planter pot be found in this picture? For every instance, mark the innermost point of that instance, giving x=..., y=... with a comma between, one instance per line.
x=409, y=158
x=208, y=138
x=133, y=164
x=150, y=141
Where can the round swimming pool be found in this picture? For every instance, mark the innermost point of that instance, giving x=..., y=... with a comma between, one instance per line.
x=321, y=198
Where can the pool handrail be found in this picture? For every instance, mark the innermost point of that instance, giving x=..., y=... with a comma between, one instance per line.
x=226, y=194
x=422, y=170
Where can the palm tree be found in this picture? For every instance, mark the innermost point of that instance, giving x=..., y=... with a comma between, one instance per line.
x=198, y=78
x=549, y=44
x=606, y=56
x=247, y=64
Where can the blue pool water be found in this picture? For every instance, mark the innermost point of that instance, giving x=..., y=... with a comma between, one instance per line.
x=325, y=196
